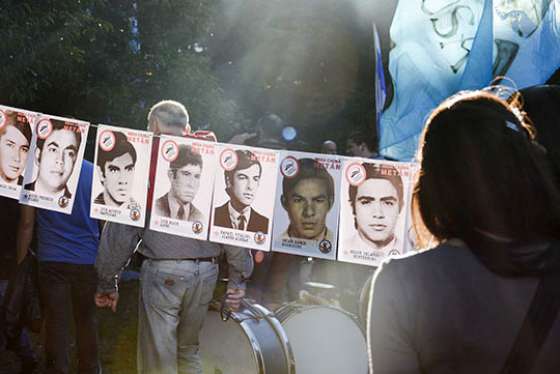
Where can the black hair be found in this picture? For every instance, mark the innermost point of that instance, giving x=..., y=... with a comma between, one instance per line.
x=245, y=159
x=122, y=147
x=308, y=169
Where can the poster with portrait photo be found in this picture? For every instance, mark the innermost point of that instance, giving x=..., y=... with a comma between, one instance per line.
x=120, y=175
x=16, y=136
x=243, y=201
x=307, y=204
x=54, y=163
x=183, y=189
x=375, y=201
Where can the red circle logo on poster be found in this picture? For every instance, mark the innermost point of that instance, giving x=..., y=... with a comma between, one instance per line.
x=107, y=140
x=260, y=237
x=44, y=128
x=228, y=159
x=289, y=167
x=170, y=150
x=355, y=174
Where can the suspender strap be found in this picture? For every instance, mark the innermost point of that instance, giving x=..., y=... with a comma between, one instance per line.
x=536, y=326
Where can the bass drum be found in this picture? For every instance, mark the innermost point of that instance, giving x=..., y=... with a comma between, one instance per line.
x=324, y=339
x=249, y=341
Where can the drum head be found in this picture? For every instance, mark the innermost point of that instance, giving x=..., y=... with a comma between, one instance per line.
x=225, y=348
x=325, y=340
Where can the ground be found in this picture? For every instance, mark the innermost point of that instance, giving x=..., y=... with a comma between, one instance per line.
x=117, y=335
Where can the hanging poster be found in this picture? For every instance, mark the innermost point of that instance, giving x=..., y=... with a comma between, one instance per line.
x=183, y=188
x=374, y=210
x=307, y=204
x=120, y=177
x=243, y=202
x=54, y=165
x=16, y=133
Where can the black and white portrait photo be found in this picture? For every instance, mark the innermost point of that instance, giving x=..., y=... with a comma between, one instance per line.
x=244, y=185
x=54, y=166
x=183, y=190
x=122, y=161
x=373, y=217
x=306, y=210
x=16, y=133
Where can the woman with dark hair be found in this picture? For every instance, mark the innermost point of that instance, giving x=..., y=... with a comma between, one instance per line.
x=486, y=196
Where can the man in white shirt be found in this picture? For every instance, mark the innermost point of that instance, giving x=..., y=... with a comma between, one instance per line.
x=376, y=205
x=115, y=168
x=55, y=157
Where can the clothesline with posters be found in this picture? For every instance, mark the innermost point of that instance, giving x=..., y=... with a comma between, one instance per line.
x=316, y=205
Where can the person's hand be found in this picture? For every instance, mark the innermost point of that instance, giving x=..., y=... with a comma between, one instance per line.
x=234, y=297
x=107, y=300
x=101, y=300
x=242, y=138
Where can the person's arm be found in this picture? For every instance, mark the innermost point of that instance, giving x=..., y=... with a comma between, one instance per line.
x=116, y=245
x=390, y=325
x=240, y=268
x=25, y=231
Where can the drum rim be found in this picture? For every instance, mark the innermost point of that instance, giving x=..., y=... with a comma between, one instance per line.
x=284, y=317
x=282, y=336
x=257, y=351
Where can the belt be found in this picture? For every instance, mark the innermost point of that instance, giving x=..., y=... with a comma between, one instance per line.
x=202, y=259
x=196, y=260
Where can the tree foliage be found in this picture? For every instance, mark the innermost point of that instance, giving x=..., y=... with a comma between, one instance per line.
x=109, y=61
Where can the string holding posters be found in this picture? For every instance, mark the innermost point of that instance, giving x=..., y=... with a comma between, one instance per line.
x=16, y=133
x=244, y=189
x=121, y=174
x=307, y=205
x=183, y=188
x=374, y=210
x=54, y=164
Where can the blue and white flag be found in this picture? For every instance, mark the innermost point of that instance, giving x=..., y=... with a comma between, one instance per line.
x=443, y=46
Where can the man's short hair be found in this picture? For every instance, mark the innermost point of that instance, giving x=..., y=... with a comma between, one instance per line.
x=58, y=125
x=20, y=122
x=360, y=137
x=245, y=159
x=169, y=113
x=308, y=169
x=186, y=156
x=122, y=147
x=271, y=125
x=379, y=171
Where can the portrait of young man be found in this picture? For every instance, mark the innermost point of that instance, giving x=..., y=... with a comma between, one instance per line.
x=376, y=206
x=15, y=139
x=115, y=169
x=242, y=184
x=55, y=157
x=184, y=175
x=308, y=197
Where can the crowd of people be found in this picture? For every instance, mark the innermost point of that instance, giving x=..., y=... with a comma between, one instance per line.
x=487, y=197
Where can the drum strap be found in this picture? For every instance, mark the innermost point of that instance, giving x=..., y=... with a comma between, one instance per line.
x=536, y=326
